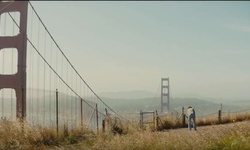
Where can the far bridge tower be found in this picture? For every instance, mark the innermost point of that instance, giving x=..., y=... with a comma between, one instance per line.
x=165, y=96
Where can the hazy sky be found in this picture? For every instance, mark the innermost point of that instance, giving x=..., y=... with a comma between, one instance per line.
x=203, y=47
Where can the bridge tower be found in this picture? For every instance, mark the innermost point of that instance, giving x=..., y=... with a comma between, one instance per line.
x=16, y=81
x=165, y=96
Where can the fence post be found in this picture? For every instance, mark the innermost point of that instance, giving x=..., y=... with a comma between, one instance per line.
x=81, y=115
x=221, y=109
x=219, y=116
x=141, y=119
x=154, y=120
x=103, y=125
x=106, y=123
x=57, y=111
x=106, y=111
x=183, y=117
x=96, y=108
x=104, y=120
x=157, y=120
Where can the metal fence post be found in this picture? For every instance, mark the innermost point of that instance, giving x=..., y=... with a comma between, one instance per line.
x=154, y=119
x=81, y=114
x=141, y=119
x=103, y=125
x=219, y=116
x=106, y=110
x=183, y=117
x=157, y=120
x=57, y=128
x=97, y=124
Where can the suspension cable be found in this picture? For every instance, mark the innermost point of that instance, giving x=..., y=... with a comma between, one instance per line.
x=12, y=69
x=155, y=94
x=44, y=79
x=31, y=66
x=38, y=67
x=71, y=63
x=50, y=81
x=60, y=76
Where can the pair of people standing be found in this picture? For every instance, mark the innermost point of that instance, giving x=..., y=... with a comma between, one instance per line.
x=191, y=117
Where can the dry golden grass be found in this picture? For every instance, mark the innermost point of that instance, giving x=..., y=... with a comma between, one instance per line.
x=174, y=123
x=14, y=135
x=233, y=136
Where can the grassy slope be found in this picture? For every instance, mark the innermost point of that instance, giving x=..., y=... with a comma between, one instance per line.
x=230, y=136
x=235, y=136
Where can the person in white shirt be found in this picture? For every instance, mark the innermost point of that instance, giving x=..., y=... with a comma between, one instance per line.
x=191, y=116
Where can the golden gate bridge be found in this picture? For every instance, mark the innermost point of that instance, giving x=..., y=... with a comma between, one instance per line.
x=38, y=83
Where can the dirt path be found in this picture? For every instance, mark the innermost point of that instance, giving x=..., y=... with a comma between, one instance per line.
x=183, y=135
x=205, y=131
x=211, y=127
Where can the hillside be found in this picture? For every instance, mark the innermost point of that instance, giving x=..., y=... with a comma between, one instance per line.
x=228, y=136
x=202, y=106
x=134, y=101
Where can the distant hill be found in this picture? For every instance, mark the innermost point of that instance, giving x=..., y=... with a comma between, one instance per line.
x=137, y=94
x=203, y=107
x=134, y=101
